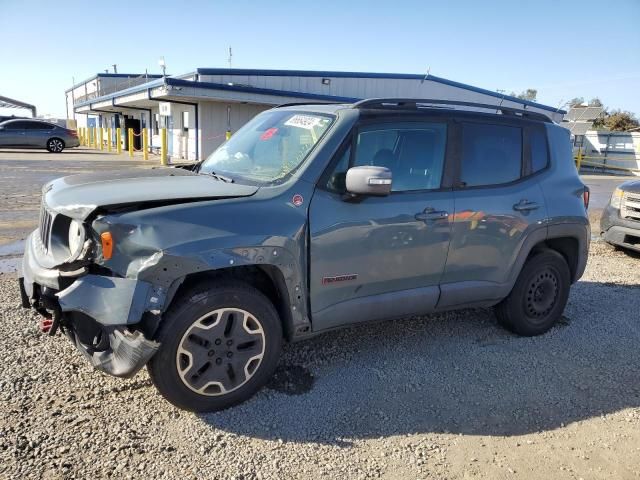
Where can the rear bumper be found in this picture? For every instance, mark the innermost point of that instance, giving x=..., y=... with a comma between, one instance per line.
x=101, y=315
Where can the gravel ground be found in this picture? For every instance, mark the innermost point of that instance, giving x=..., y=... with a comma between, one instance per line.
x=444, y=396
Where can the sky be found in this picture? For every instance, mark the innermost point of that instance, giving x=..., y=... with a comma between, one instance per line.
x=562, y=48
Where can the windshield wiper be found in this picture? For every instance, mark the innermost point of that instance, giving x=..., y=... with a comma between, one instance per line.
x=217, y=176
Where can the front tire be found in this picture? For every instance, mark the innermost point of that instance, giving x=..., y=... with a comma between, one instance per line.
x=55, y=145
x=539, y=295
x=220, y=344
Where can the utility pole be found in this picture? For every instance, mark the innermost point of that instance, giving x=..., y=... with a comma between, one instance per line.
x=230, y=57
x=163, y=66
x=115, y=68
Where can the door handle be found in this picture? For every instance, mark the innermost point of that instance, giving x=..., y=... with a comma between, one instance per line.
x=431, y=214
x=525, y=206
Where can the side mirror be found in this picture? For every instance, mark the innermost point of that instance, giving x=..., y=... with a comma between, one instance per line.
x=368, y=180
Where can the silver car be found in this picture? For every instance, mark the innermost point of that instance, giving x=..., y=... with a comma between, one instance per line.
x=27, y=133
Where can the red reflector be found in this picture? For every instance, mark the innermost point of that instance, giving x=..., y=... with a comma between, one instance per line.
x=73, y=133
x=585, y=197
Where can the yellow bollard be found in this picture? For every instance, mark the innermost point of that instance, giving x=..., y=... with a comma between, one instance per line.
x=228, y=134
x=163, y=148
x=109, y=139
x=95, y=137
x=118, y=140
x=145, y=144
x=83, y=138
x=101, y=138
x=130, y=133
x=579, y=158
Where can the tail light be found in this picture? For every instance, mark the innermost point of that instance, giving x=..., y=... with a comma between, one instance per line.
x=585, y=197
x=73, y=133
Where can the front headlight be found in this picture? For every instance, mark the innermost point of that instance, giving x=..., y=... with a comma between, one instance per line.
x=76, y=238
x=616, y=198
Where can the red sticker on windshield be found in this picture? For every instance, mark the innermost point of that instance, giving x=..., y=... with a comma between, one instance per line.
x=268, y=134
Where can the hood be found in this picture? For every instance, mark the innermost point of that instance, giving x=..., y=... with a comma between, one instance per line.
x=78, y=196
x=632, y=186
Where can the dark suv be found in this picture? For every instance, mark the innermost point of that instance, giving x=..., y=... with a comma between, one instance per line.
x=309, y=218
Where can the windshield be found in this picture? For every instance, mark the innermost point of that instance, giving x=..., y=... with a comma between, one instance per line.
x=269, y=147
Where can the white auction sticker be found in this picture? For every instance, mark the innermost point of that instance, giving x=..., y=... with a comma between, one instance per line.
x=302, y=121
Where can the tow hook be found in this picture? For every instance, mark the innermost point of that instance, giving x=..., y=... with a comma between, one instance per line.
x=50, y=325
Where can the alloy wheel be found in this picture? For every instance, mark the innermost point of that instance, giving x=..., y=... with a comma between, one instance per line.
x=220, y=351
x=56, y=145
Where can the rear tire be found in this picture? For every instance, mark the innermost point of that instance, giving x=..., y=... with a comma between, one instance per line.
x=55, y=145
x=539, y=295
x=220, y=343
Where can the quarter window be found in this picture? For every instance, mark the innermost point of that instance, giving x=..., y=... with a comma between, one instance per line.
x=539, y=154
x=491, y=154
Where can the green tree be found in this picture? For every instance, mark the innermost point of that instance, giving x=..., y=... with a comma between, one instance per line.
x=575, y=102
x=616, y=121
x=530, y=94
x=595, y=102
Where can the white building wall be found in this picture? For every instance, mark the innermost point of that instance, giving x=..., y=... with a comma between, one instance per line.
x=213, y=122
x=618, y=149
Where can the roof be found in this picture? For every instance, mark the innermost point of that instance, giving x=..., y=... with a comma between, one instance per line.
x=390, y=76
x=112, y=75
x=182, y=82
x=6, y=102
x=179, y=82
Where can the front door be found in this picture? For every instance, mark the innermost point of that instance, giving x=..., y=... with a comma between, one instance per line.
x=381, y=257
x=13, y=134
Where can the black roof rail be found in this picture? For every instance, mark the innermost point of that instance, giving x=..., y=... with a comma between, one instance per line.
x=295, y=104
x=418, y=103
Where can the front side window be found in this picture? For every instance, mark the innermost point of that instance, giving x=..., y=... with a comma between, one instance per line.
x=414, y=152
x=269, y=147
x=491, y=154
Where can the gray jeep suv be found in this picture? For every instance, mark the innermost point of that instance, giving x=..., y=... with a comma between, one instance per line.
x=309, y=218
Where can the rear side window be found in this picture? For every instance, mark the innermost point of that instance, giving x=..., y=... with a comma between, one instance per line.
x=491, y=154
x=539, y=152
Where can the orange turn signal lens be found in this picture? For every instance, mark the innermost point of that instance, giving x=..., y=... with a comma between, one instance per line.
x=107, y=245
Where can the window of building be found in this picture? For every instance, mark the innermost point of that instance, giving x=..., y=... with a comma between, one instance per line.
x=156, y=124
x=539, y=153
x=491, y=154
x=185, y=122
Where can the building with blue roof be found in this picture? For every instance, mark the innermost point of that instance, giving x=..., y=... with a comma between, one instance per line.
x=198, y=108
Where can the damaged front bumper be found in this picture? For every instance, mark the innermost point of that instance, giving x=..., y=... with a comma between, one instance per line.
x=110, y=319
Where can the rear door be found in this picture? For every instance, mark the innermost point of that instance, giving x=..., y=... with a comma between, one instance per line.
x=38, y=133
x=380, y=257
x=498, y=205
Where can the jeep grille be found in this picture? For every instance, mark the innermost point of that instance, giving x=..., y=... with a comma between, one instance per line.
x=46, y=222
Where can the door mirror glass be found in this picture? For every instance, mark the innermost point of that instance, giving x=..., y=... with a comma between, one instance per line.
x=369, y=180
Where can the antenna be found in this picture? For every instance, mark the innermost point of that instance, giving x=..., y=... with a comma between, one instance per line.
x=230, y=57
x=426, y=75
x=163, y=66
